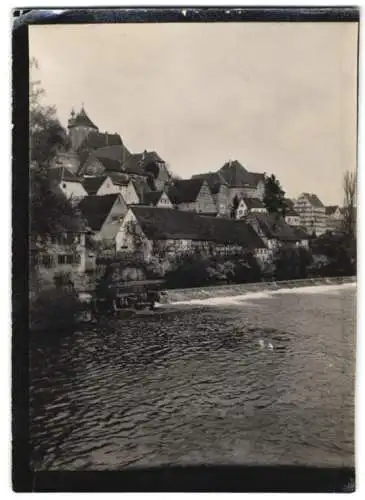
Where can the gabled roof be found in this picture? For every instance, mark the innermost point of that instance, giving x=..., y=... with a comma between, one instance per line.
x=152, y=197
x=185, y=190
x=82, y=120
x=119, y=179
x=331, y=209
x=253, y=203
x=275, y=227
x=59, y=174
x=109, y=164
x=92, y=184
x=115, y=152
x=96, y=209
x=214, y=179
x=168, y=223
x=313, y=199
x=236, y=175
x=96, y=140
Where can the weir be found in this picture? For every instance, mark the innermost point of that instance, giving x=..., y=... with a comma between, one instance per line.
x=250, y=290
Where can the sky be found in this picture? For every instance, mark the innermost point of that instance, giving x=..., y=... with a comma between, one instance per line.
x=278, y=97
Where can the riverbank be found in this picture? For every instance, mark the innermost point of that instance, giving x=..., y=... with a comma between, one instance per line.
x=187, y=294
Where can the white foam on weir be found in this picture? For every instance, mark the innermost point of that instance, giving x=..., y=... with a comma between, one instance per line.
x=267, y=294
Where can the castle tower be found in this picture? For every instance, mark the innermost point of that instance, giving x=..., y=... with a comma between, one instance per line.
x=79, y=127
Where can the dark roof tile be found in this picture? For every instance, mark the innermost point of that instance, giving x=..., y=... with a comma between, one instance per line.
x=82, y=120
x=168, y=223
x=92, y=184
x=185, y=190
x=253, y=203
x=59, y=174
x=274, y=227
x=96, y=209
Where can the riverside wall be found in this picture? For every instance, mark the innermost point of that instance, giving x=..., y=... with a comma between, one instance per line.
x=186, y=294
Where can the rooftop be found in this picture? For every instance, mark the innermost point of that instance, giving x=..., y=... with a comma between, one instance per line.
x=169, y=223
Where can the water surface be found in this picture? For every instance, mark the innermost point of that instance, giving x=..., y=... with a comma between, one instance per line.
x=263, y=379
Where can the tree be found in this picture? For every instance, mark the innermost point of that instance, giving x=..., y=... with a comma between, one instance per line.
x=274, y=200
x=50, y=211
x=349, y=222
x=235, y=203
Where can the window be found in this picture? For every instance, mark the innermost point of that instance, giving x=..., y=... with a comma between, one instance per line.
x=62, y=259
x=69, y=259
x=64, y=185
x=47, y=260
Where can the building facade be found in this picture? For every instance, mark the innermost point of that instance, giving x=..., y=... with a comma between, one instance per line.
x=312, y=213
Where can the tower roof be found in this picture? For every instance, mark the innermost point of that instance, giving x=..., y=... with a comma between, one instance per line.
x=82, y=120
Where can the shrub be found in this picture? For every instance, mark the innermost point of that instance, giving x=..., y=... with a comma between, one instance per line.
x=54, y=308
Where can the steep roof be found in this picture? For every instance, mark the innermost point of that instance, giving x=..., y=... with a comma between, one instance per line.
x=82, y=120
x=96, y=140
x=253, y=203
x=236, y=175
x=92, y=184
x=214, y=179
x=314, y=200
x=59, y=174
x=152, y=197
x=96, y=209
x=168, y=223
x=109, y=164
x=331, y=209
x=185, y=190
x=115, y=152
x=275, y=227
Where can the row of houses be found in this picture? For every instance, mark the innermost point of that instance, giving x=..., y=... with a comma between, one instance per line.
x=132, y=202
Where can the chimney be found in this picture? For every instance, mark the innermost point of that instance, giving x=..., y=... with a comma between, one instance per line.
x=106, y=138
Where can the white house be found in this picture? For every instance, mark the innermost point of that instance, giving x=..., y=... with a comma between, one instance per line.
x=68, y=183
x=334, y=217
x=248, y=205
x=312, y=213
x=99, y=185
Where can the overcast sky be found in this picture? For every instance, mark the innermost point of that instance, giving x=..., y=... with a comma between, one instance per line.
x=278, y=97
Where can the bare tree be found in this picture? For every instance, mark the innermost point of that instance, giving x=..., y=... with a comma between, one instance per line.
x=349, y=222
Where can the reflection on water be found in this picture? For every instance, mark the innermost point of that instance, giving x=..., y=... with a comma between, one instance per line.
x=261, y=381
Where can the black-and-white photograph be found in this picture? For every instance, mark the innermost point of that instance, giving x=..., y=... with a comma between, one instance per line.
x=192, y=245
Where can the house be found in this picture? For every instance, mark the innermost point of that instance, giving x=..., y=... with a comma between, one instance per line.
x=241, y=182
x=157, y=199
x=60, y=253
x=275, y=232
x=248, y=205
x=192, y=195
x=167, y=231
x=103, y=216
x=99, y=185
x=334, y=217
x=219, y=189
x=67, y=183
x=126, y=187
x=312, y=213
x=291, y=215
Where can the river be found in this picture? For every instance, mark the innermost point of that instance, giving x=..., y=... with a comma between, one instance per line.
x=264, y=379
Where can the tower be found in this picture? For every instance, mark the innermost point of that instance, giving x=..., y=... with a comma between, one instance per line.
x=79, y=127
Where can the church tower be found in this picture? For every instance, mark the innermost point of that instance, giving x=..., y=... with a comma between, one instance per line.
x=79, y=127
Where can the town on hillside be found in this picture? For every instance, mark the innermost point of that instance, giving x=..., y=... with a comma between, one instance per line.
x=132, y=202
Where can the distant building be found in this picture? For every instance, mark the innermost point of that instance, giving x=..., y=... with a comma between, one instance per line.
x=334, y=218
x=149, y=230
x=249, y=205
x=292, y=217
x=241, y=182
x=192, y=195
x=275, y=232
x=219, y=189
x=312, y=213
